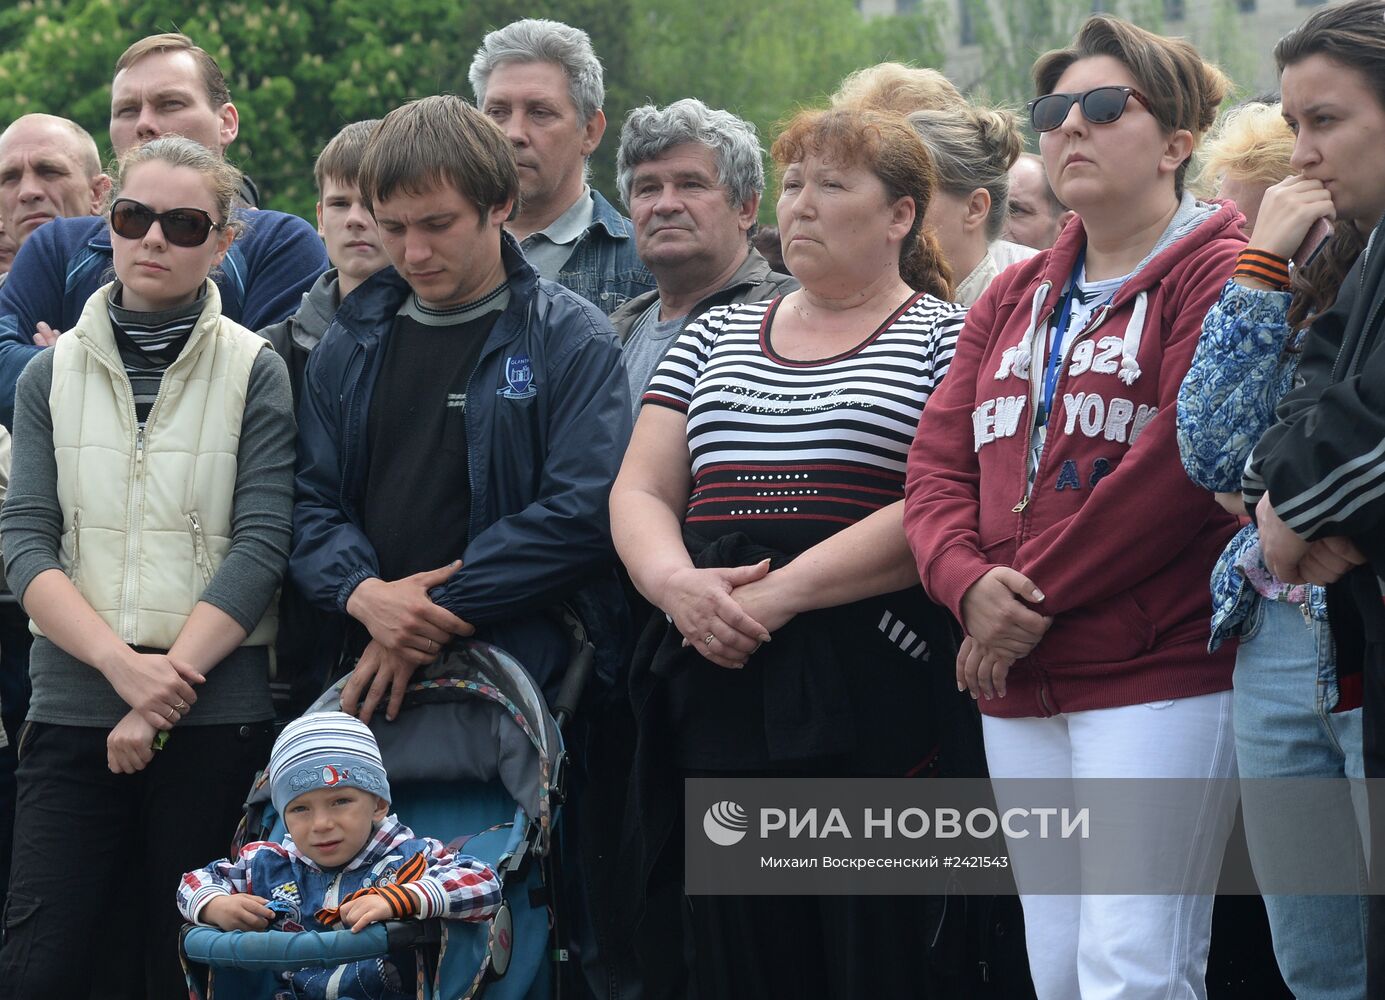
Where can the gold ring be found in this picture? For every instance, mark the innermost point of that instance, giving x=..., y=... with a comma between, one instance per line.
x=432, y=645
x=172, y=715
x=181, y=706
x=707, y=639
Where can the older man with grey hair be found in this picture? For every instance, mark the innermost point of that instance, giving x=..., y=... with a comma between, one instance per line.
x=541, y=83
x=692, y=178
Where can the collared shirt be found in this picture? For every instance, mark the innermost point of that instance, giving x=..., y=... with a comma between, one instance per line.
x=549, y=248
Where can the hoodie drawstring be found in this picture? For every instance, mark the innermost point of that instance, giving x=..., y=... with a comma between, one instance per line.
x=1130, y=342
x=1017, y=359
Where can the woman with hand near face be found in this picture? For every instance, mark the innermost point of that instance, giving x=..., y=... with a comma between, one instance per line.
x=1297, y=703
x=146, y=531
x=1047, y=509
x=1312, y=483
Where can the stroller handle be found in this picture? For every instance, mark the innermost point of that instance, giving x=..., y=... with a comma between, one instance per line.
x=283, y=951
x=574, y=681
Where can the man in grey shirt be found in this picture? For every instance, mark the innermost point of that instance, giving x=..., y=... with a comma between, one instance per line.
x=692, y=178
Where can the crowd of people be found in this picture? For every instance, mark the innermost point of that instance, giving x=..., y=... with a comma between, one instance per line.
x=796, y=480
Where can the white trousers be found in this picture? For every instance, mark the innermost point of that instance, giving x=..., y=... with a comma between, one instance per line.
x=1124, y=947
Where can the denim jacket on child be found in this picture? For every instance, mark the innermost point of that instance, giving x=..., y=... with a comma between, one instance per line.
x=455, y=887
x=1226, y=402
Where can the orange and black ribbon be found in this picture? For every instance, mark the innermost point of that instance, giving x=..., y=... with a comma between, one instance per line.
x=1259, y=265
x=402, y=902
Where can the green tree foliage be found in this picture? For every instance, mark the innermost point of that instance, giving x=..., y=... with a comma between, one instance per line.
x=300, y=69
x=1013, y=34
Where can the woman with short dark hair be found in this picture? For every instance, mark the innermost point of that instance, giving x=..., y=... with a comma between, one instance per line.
x=1048, y=510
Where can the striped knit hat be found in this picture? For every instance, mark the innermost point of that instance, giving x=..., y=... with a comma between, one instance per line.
x=325, y=750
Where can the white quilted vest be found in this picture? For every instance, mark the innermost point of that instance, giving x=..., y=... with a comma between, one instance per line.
x=147, y=513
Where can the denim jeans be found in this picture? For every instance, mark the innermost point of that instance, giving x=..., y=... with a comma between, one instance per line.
x=1285, y=689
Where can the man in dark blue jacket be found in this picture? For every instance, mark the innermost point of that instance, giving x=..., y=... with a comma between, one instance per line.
x=163, y=84
x=461, y=423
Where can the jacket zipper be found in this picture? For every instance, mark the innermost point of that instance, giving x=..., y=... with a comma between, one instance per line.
x=76, y=544
x=1029, y=481
x=199, y=546
x=470, y=453
x=134, y=499
x=134, y=507
x=351, y=446
x=135, y=494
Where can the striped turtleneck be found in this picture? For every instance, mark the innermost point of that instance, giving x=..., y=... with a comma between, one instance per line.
x=149, y=342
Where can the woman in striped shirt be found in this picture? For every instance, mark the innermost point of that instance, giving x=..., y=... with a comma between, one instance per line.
x=762, y=492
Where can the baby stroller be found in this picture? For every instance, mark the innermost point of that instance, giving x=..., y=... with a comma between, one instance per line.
x=475, y=760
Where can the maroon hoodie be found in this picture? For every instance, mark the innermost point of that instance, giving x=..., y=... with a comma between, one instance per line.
x=1113, y=532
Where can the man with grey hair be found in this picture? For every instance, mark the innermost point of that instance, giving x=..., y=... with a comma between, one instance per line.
x=541, y=83
x=692, y=178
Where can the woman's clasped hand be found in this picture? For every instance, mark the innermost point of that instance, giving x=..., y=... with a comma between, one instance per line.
x=704, y=608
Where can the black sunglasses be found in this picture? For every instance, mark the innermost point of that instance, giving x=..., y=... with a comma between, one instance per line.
x=183, y=227
x=1100, y=106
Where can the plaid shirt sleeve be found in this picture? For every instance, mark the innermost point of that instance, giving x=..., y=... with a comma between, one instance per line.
x=220, y=878
x=455, y=886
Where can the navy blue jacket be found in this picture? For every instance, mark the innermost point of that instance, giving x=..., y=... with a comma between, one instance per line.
x=261, y=280
x=548, y=419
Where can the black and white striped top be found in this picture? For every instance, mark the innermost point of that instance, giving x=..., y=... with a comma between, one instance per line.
x=792, y=451
x=149, y=342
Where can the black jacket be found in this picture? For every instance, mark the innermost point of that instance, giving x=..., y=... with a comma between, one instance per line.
x=841, y=698
x=1323, y=460
x=294, y=338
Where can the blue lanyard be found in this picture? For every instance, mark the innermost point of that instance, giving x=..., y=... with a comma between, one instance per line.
x=1056, y=351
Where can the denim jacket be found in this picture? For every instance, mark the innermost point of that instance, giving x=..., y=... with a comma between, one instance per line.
x=1226, y=402
x=603, y=267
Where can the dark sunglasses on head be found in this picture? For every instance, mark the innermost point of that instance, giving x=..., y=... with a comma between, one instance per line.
x=183, y=227
x=1100, y=106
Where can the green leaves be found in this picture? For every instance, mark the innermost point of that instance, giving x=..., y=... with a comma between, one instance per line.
x=300, y=70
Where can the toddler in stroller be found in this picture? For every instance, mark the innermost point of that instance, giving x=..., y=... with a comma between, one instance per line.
x=476, y=759
x=343, y=861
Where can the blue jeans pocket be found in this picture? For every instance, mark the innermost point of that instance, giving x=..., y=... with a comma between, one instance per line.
x=1253, y=620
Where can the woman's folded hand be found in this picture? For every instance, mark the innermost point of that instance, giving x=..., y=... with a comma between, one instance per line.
x=994, y=612
x=700, y=604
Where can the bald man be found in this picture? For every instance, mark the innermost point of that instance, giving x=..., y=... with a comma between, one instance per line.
x=1036, y=215
x=49, y=169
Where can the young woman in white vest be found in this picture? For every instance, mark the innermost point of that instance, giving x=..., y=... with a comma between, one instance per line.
x=146, y=533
